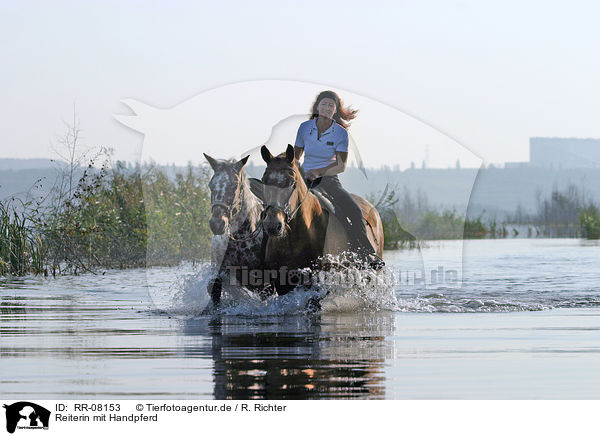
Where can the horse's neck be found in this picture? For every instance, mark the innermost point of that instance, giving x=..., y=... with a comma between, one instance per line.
x=310, y=207
x=309, y=211
x=305, y=238
x=248, y=214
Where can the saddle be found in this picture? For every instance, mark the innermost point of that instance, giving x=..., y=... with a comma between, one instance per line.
x=325, y=200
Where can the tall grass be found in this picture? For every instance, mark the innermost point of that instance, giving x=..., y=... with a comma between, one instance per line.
x=107, y=217
x=21, y=248
x=120, y=218
x=100, y=225
x=115, y=217
x=177, y=214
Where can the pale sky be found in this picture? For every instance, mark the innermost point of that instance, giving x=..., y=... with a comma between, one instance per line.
x=379, y=135
x=487, y=74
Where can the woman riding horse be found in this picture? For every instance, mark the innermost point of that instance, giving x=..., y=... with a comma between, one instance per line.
x=323, y=140
x=299, y=231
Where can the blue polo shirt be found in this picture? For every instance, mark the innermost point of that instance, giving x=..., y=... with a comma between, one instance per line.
x=320, y=152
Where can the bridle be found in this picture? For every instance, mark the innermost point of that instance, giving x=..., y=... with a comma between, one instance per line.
x=224, y=206
x=232, y=210
x=285, y=207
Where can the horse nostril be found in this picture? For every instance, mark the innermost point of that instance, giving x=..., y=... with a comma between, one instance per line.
x=217, y=226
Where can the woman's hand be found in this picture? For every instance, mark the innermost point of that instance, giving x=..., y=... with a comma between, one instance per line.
x=312, y=174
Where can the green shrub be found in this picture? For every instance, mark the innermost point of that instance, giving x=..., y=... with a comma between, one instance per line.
x=589, y=221
x=177, y=215
x=444, y=225
x=474, y=228
x=110, y=218
x=123, y=218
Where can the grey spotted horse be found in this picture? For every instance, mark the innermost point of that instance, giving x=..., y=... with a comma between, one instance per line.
x=235, y=222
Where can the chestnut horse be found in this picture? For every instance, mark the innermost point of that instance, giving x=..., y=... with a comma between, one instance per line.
x=299, y=230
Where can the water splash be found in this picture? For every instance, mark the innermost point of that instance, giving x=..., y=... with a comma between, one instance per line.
x=441, y=303
x=340, y=288
x=343, y=288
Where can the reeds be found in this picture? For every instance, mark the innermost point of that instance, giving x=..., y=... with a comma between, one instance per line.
x=114, y=218
x=21, y=248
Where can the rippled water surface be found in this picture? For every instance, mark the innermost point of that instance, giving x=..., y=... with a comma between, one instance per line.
x=521, y=320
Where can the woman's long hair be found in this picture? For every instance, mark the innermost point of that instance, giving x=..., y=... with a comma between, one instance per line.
x=342, y=114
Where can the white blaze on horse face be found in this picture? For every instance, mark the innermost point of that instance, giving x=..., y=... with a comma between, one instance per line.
x=277, y=179
x=219, y=184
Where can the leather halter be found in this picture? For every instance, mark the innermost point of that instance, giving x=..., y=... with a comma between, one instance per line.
x=286, y=208
x=223, y=205
x=229, y=211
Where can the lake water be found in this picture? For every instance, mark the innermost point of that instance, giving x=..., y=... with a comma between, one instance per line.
x=508, y=319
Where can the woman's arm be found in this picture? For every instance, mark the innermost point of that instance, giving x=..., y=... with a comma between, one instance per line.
x=298, y=152
x=339, y=166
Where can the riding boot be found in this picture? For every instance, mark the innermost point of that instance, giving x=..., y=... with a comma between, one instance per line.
x=350, y=214
x=368, y=257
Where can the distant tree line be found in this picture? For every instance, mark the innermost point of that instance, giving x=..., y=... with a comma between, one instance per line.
x=408, y=217
x=562, y=213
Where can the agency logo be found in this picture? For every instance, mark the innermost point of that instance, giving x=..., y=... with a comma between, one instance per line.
x=26, y=415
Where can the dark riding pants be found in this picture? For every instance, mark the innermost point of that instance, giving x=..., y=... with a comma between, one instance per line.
x=347, y=211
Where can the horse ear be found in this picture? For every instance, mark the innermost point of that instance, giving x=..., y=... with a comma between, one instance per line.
x=213, y=163
x=266, y=154
x=289, y=153
x=240, y=163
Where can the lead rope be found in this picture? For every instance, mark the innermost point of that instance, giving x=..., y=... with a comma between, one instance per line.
x=251, y=235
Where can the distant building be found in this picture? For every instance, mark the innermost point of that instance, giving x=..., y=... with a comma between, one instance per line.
x=564, y=152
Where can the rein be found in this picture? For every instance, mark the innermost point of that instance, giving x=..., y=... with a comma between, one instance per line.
x=251, y=235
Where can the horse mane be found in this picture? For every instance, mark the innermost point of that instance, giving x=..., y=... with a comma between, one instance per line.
x=252, y=206
x=310, y=206
x=252, y=200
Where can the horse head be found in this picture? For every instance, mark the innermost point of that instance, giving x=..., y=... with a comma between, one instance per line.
x=225, y=188
x=283, y=188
